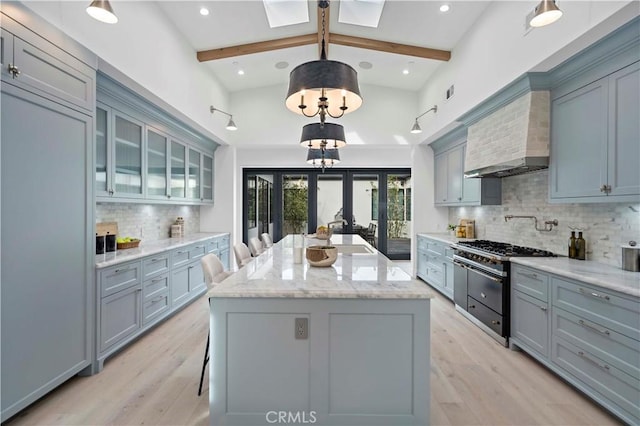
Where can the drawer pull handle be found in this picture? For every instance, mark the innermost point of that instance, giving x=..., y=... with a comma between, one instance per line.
x=532, y=276
x=157, y=280
x=198, y=247
x=594, y=294
x=181, y=252
x=593, y=361
x=484, y=296
x=496, y=322
x=542, y=308
x=587, y=325
x=117, y=271
x=472, y=306
x=157, y=299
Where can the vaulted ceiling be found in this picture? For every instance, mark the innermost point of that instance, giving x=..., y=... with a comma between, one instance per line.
x=233, y=23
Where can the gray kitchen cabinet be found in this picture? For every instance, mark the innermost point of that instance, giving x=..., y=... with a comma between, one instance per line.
x=47, y=318
x=453, y=189
x=435, y=264
x=587, y=334
x=179, y=286
x=157, y=181
x=120, y=316
x=146, y=155
x=119, y=277
x=594, y=141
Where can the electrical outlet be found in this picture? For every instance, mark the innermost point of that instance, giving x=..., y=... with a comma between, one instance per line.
x=302, y=328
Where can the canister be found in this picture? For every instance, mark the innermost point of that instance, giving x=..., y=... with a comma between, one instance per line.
x=631, y=257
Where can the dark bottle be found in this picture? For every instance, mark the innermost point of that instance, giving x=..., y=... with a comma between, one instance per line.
x=99, y=244
x=110, y=244
x=581, y=247
x=572, y=245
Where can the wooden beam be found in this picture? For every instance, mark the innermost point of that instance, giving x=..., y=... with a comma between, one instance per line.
x=258, y=47
x=390, y=47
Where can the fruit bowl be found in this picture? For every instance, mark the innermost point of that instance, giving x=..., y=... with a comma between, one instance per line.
x=323, y=233
x=128, y=244
x=321, y=256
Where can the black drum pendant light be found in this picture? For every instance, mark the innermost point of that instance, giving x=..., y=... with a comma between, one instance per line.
x=323, y=87
x=323, y=158
x=327, y=136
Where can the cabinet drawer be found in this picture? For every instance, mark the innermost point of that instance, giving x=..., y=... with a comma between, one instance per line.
x=486, y=290
x=615, y=385
x=437, y=248
x=119, y=277
x=154, y=286
x=487, y=316
x=155, y=265
x=422, y=243
x=530, y=282
x=212, y=246
x=435, y=275
x=598, y=305
x=612, y=347
x=448, y=253
x=180, y=257
x=222, y=241
x=197, y=251
x=155, y=307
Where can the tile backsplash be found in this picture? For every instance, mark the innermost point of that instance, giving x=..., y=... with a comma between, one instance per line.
x=148, y=222
x=605, y=225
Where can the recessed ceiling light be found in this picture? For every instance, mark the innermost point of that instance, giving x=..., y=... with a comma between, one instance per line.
x=365, y=65
x=204, y=11
x=445, y=8
x=240, y=72
x=405, y=71
x=282, y=65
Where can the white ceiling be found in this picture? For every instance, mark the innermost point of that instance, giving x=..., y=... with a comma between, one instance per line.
x=413, y=22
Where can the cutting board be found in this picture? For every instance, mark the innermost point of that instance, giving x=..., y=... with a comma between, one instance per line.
x=104, y=227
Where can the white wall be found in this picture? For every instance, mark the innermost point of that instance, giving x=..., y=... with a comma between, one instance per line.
x=496, y=51
x=146, y=47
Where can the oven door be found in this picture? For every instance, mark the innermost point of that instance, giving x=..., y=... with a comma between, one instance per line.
x=486, y=288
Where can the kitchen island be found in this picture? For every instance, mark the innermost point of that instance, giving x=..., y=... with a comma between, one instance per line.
x=341, y=345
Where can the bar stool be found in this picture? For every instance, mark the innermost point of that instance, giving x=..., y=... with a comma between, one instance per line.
x=266, y=240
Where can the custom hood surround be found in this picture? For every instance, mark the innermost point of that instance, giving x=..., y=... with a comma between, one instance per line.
x=512, y=140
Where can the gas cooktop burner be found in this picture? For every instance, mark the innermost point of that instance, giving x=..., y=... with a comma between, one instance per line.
x=505, y=249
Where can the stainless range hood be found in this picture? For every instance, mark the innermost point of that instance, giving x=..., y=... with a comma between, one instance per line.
x=512, y=140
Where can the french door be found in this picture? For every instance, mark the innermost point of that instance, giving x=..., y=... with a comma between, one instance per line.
x=375, y=203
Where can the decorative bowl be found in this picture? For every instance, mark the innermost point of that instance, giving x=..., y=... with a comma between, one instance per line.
x=321, y=256
x=324, y=233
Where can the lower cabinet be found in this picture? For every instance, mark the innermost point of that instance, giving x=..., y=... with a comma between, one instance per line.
x=435, y=264
x=588, y=335
x=134, y=296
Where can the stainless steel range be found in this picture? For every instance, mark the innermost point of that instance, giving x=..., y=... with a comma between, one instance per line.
x=481, y=289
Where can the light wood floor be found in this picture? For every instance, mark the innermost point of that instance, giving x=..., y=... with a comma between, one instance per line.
x=474, y=381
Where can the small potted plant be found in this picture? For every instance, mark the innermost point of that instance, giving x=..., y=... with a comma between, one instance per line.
x=452, y=229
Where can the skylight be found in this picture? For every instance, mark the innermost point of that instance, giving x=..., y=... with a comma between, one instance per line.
x=365, y=13
x=286, y=12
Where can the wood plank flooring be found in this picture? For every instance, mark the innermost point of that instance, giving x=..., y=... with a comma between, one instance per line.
x=474, y=381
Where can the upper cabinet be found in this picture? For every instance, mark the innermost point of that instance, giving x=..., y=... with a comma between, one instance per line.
x=143, y=155
x=594, y=140
x=451, y=188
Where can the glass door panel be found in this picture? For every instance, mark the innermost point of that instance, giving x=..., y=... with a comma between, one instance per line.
x=178, y=169
x=207, y=178
x=128, y=150
x=366, y=206
x=295, y=198
x=398, y=215
x=102, y=134
x=264, y=200
x=329, y=204
x=193, y=189
x=156, y=164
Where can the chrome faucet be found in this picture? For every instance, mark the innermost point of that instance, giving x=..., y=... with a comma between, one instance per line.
x=340, y=221
x=548, y=224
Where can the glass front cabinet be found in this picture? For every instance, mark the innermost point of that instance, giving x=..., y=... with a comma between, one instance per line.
x=136, y=161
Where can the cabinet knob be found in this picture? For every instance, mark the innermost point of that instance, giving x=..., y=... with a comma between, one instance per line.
x=168, y=195
x=459, y=198
x=495, y=322
x=13, y=70
x=603, y=188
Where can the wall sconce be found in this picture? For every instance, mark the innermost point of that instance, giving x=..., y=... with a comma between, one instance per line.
x=416, y=127
x=230, y=125
x=545, y=13
x=102, y=11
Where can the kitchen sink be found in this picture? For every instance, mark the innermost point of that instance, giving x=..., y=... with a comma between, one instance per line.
x=353, y=249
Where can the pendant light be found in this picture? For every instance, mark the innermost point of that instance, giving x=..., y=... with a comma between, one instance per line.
x=332, y=86
x=102, y=11
x=545, y=13
x=328, y=136
x=323, y=158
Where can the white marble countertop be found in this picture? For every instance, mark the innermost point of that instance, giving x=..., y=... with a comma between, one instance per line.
x=444, y=237
x=151, y=247
x=357, y=276
x=596, y=273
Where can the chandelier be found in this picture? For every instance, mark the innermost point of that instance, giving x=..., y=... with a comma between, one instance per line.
x=327, y=136
x=323, y=158
x=323, y=87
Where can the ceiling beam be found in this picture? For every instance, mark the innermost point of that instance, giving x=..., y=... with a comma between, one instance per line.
x=390, y=47
x=258, y=47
